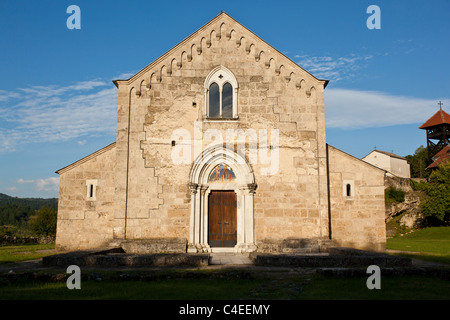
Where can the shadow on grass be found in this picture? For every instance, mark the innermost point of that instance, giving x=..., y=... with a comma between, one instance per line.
x=312, y=287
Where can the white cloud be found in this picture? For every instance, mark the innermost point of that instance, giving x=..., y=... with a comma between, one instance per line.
x=11, y=189
x=6, y=95
x=24, y=181
x=125, y=75
x=48, y=184
x=333, y=68
x=56, y=113
x=363, y=109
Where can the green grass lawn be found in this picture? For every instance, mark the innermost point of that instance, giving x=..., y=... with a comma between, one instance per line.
x=168, y=289
x=313, y=287
x=392, y=288
x=10, y=254
x=432, y=244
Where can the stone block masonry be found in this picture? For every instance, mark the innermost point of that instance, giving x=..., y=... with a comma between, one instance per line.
x=153, y=182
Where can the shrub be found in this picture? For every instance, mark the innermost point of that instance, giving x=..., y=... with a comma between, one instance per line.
x=392, y=194
x=44, y=222
x=436, y=207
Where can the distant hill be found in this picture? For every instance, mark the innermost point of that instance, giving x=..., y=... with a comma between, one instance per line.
x=4, y=196
x=16, y=211
x=32, y=203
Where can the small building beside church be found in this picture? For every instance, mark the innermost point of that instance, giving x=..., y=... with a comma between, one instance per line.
x=221, y=143
x=395, y=165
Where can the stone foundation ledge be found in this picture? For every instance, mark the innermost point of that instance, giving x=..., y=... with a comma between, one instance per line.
x=154, y=245
x=118, y=258
x=294, y=245
x=335, y=258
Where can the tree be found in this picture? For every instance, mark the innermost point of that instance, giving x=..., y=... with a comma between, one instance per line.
x=436, y=207
x=417, y=163
x=44, y=222
x=14, y=215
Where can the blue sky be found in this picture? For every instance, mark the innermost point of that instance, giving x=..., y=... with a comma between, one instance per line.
x=58, y=103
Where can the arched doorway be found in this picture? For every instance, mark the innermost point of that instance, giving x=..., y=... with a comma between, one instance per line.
x=222, y=186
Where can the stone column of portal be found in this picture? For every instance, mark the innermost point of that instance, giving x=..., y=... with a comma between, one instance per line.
x=240, y=211
x=246, y=238
x=192, y=223
x=204, y=219
x=249, y=219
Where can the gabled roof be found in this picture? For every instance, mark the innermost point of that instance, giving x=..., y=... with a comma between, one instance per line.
x=216, y=23
x=440, y=157
x=355, y=158
x=438, y=118
x=87, y=158
x=390, y=154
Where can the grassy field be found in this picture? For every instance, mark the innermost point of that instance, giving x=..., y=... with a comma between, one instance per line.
x=312, y=287
x=10, y=254
x=432, y=244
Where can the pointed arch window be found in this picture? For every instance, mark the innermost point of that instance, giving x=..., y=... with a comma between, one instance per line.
x=221, y=90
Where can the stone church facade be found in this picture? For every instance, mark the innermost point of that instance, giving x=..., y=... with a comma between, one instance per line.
x=221, y=143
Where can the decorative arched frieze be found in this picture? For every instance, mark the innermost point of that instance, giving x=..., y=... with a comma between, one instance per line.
x=230, y=34
x=289, y=77
x=219, y=33
x=239, y=41
x=163, y=72
x=173, y=65
x=216, y=34
x=249, y=48
x=279, y=69
x=258, y=55
x=299, y=85
x=269, y=62
x=203, y=44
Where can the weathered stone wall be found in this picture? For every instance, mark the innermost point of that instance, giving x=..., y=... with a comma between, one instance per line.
x=357, y=220
x=85, y=222
x=169, y=95
x=143, y=183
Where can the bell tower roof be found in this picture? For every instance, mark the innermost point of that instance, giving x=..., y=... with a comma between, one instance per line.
x=440, y=117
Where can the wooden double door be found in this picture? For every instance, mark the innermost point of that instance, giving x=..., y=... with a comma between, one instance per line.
x=222, y=219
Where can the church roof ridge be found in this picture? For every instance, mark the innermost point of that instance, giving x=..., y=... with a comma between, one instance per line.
x=192, y=35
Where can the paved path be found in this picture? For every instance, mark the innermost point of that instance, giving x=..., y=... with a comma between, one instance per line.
x=229, y=259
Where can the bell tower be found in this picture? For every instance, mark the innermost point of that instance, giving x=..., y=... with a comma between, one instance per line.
x=438, y=132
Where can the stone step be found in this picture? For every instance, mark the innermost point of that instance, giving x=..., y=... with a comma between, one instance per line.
x=294, y=245
x=298, y=250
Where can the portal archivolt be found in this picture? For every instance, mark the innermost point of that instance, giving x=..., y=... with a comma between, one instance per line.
x=219, y=169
